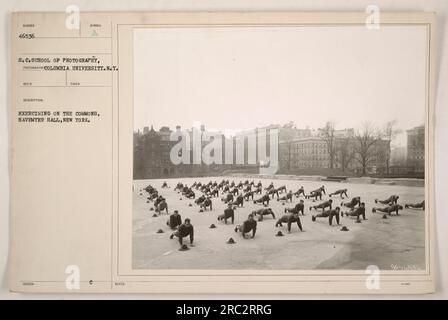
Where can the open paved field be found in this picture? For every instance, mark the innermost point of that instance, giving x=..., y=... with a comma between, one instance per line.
x=398, y=241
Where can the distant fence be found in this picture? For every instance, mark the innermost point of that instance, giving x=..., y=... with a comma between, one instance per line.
x=336, y=173
x=318, y=173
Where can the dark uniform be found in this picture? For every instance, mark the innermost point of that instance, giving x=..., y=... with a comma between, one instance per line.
x=328, y=214
x=190, y=194
x=207, y=203
x=317, y=191
x=184, y=231
x=360, y=211
x=340, y=192
x=391, y=200
x=200, y=199
x=263, y=199
x=263, y=212
x=228, y=198
x=174, y=221
x=299, y=192
x=287, y=197
x=229, y=213
x=356, y=201
x=420, y=205
x=162, y=206
x=315, y=194
x=289, y=219
x=322, y=205
x=299, y=208
x=393, y=208
x=249, y=194
x=248, y=226
x=239, y=201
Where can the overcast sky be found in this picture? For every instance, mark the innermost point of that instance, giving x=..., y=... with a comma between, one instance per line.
x=244, y=77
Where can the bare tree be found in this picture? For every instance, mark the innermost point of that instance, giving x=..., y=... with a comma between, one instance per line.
x=366, y=138
x=286, y=154
x=327, y=134
x=289, y=136
x=389, y=133
x=346, y=152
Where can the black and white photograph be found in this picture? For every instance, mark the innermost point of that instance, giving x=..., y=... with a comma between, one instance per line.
x=280, y=148
x=226, y=152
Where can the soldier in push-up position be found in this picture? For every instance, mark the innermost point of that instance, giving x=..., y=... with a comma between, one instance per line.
x=393, y=199
x=328, y=214
x=419, y=205
x=341, y=192
x=299, y=208
x=289, y=219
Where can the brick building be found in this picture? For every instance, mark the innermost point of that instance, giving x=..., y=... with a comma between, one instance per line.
x=416, y=149
x=152, y=153
x=311, y=154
